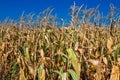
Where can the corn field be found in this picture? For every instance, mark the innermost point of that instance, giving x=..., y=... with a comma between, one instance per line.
x=66, y=53
x=59, y=53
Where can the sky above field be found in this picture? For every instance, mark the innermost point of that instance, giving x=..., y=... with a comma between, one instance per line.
x=14, y=8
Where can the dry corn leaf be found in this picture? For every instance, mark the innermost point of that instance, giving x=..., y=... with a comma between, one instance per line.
x=42, y=77
x=115, y=73
x=42, y=53
x=118, y=60
x=59, y=52
x=31, y=70
x=43, y=58
x=94, y=62
x=47, y=40
x=98, y=67
x=3, y=46
x=81, y=50
x=105, y=60
x=22, y=75
x=110, y=44
x=97, y=54
x=96, y=76
x=76, y=46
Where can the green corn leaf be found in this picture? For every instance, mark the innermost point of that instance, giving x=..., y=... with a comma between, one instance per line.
x=23, y=76
x=74, y=61
x=64, y=76
x=58, y=72
x=73, y=74
x=26, y=53
x=40, y=72
x=116, y=51
x=15, y=68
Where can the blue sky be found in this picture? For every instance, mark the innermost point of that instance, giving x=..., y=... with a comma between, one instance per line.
x=14, y=8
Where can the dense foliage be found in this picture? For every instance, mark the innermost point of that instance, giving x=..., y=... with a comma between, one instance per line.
x=49, y=53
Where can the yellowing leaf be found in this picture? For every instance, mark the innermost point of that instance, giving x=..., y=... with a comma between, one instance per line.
x=31, y=70
x=98, y=67
x=76, y=45
x=105, y=60
x=94, y=62
x=115, y=73
x=82, y=51
x=74, y=60
x=41, y=73
x=21, y=75
x=42, y=53
x=26, y=53
x=110, y=44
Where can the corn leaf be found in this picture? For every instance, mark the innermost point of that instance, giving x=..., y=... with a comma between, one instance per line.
x=74, y=61
x=73, y=74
